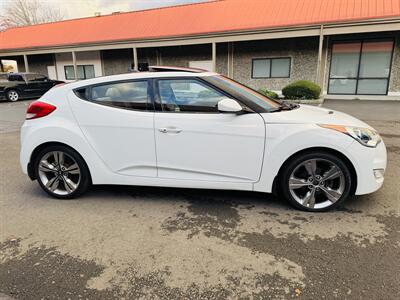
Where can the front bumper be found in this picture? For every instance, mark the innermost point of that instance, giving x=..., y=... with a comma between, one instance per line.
x=366, y=161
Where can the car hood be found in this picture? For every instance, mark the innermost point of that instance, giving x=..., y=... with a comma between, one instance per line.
x=307, y=114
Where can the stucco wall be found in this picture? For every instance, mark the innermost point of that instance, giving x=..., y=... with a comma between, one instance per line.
x=302, y=51
x=82, y=58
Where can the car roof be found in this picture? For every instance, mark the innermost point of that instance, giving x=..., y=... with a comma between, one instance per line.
x=138, y=75
x=24, y=73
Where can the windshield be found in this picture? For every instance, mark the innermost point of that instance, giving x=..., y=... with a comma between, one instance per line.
x=243, y=93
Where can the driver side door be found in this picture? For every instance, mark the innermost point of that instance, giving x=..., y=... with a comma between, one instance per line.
x=194, y=141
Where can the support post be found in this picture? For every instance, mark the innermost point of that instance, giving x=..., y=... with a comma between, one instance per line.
x=324, y=64
x=158, y=57
x=320, y=62
x=214, y=56
x=230, y=60
x=26, y=63
x=75, y=65
x=1, y=66
x=135, y=59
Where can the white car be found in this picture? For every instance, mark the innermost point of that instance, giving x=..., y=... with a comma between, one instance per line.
x=195, y=129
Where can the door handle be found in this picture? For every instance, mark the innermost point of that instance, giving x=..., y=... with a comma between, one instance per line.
x=169, y=129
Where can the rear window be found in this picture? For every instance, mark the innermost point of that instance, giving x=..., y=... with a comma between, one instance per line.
x=127, y=95
x=15, y=77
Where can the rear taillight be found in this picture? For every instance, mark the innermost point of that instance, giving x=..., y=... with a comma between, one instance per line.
x=39, y=109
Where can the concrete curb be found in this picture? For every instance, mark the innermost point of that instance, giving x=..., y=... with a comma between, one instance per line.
x=318, y=102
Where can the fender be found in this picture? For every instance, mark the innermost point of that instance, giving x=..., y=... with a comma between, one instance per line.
x=284, y=140
x=50, y=130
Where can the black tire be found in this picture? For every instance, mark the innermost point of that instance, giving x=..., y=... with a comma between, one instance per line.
x=13, y=95
x=85, y=178
x=297, y=160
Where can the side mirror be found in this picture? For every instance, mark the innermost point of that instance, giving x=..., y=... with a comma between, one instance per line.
x=229, y=106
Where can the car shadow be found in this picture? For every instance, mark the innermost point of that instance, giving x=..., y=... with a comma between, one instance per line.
x=234, y=198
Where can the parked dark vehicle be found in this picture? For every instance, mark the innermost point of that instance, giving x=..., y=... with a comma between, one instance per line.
x=16, y=86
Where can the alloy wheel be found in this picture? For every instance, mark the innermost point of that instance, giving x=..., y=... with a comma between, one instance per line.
x=59, y=173
x=317, y=183
x=13, y=96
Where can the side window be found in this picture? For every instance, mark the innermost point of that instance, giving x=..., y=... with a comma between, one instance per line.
x=30, y=77
x=40, y=78
x=128, y=95
x=188, y=95
x=15, y=78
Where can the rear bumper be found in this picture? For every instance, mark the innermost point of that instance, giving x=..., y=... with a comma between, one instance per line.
x=367, y=161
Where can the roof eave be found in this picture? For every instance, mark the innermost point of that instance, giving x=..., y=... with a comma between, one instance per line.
x=311, y=29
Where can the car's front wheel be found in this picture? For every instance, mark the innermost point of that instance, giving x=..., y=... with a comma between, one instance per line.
x=62, y=172
x=315, y=181
x=12, y=95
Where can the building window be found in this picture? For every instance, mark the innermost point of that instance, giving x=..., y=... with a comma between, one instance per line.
x=271, y=67
x=360, y=67
x=84, y=72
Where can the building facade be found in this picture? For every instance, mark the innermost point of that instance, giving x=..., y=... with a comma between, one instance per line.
x=348, y=57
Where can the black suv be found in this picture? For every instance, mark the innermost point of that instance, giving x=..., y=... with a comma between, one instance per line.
x=15, y=86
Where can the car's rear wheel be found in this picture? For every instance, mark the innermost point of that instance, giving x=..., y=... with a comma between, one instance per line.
x=61, y=172
x=12, y=95
x=315, y=181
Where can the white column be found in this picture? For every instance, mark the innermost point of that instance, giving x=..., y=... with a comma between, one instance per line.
x=158, y=57
x=214, y=56
x=320, y=62
x=324, y=64
x=230, y=60
x=75, y=65
x=26, y=63
x=135, y=59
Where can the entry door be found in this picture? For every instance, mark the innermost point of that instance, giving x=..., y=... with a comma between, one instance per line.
x=194, y=141
x=117, y=121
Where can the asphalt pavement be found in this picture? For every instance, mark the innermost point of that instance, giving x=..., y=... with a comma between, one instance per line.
x=163, y=243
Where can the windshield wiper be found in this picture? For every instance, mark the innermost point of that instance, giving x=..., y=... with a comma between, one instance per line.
x=283, y=105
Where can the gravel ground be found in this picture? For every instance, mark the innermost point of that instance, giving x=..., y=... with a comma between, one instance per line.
x=130, y=242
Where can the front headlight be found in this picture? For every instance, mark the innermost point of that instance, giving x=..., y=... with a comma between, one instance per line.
x=364, y=136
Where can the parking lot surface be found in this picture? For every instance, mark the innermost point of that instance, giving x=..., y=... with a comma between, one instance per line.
x=159, y=243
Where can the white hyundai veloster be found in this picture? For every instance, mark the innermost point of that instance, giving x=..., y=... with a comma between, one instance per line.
x=190, y=128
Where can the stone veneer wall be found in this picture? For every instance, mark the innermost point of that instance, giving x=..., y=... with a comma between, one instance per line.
x=38, y=63
x=302, y=51
x=116, y=61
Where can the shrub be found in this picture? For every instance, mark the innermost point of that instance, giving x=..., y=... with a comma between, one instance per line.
x=302, y=89
x=268, y=93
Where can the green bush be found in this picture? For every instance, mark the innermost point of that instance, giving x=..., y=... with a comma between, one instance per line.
x=302, y=89
x=268, y=93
